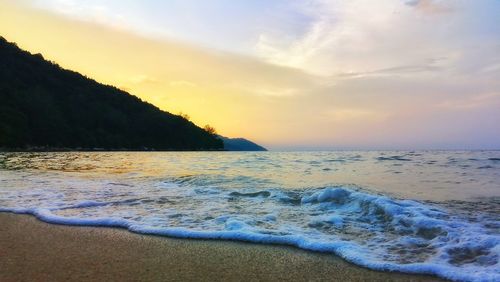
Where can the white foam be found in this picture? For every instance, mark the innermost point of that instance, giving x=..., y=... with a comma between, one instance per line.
x=368, y=229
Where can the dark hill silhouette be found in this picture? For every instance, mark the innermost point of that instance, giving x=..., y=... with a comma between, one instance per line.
x=240, y=144
x=45, y=107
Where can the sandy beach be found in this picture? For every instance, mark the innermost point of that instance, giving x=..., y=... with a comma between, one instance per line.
x=32, y=250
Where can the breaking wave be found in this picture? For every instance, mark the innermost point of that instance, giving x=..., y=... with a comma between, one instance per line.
x=365, y=228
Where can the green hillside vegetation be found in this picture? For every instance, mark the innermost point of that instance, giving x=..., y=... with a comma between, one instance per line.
x=45, y=107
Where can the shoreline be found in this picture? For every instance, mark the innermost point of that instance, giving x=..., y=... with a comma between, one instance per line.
x=35, y=250
x=88, y=150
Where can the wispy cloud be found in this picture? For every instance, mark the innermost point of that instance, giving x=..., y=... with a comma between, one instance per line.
x=433, y=66
x=91, y=11
x=364, y=36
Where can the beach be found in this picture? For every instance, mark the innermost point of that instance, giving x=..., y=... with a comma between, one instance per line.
x=305, y=140
x=33, y=250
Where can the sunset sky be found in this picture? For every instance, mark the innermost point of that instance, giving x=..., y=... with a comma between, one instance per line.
x=311, y=74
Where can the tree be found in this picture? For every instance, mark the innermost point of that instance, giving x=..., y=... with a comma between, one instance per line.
x=210, y=129
x=184, y=116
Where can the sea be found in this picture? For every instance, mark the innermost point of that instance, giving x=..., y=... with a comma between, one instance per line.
x=423, y=212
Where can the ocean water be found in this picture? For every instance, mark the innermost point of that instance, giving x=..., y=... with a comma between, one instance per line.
x=429, y=212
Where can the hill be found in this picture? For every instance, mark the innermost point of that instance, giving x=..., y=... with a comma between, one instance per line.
x=45, y=107
x=240, y=144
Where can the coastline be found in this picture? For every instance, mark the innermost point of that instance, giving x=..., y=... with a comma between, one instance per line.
x=89, y=150
x=33, y=250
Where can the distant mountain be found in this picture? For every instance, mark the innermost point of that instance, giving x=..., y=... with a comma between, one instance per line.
x=45, y=107
x=240, y=144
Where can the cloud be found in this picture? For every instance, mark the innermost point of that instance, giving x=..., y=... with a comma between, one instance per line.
x=412, y=2
x=90, y=11
x=364, y=36
x=431, y=66
x=430, y=6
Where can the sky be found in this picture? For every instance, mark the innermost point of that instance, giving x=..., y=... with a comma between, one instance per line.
x=310, y=74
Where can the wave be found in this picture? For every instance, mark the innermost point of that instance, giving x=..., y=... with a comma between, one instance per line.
x=371, y=230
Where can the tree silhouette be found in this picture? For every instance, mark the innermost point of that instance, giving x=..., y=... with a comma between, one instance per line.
x=184, y=116
x=209, y=129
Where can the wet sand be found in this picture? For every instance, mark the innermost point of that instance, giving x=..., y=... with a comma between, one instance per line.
x=31, y=250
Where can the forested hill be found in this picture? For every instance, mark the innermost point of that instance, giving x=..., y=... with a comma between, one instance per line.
x=43, y=106
x=240, y=144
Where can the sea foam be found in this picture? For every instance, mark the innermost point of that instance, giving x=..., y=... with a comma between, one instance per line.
x=371, y=230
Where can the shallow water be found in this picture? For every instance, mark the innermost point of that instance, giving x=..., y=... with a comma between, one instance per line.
x=433, y=212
